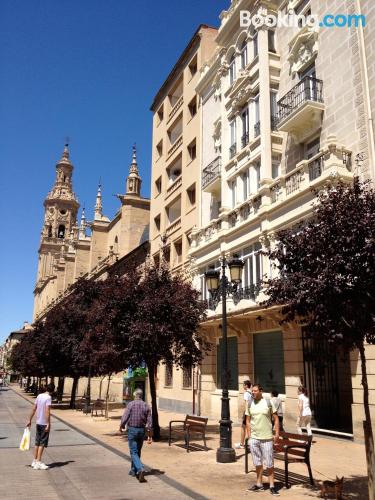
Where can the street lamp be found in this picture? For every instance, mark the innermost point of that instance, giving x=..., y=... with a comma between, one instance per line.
x=216, y=285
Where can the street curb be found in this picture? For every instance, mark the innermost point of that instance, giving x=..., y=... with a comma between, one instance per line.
x=171, y=482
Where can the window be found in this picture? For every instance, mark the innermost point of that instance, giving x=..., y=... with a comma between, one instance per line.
x=167, y=254
x=191, y=195
x=175, y=94
x=246, y=184
x=175, y=131
x=178, y=252
x=192, y=150
x=157, y=260
x=157, y=222
x=174, y=170
x=271, y=41
x=193, y=107
x=168, y=382
x=159, y=149
x=232, y=68
x=273, y=103
x=269, y=361
x=244, y=54
x=232, y=364
x=193, y=66
x=233, y=144
x=233, y=189
x=158, y=186
x=161, y=113
x=245, y=127
x=61, y=231
x=312, y=148
x=173, y=211
x=275, y=169
x=255, y=45
x=252, y=270
x=49, y=231
x=257, y=175
x=256, y=117
x=187, y=377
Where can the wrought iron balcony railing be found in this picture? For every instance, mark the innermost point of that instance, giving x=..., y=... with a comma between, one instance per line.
x=241, y=293
x=211, y=172
x=307, y=89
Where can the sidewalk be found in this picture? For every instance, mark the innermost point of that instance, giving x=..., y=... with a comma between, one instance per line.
x=199, y=471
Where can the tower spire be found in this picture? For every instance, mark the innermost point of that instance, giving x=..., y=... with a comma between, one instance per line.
x=133, y=181
x=98, y=213
x=82, y=226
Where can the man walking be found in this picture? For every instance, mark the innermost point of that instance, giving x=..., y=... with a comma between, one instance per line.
x=259, y=420
x=137, y=416
x=42, y=408
x=247, y=402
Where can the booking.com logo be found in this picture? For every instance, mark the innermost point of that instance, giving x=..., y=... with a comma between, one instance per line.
x=299, y=20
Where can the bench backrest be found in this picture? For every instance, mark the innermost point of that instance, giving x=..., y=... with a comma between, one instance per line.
x=196, y=421
x=288, y=438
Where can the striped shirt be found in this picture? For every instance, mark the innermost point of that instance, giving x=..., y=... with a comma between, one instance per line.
x=137, y=414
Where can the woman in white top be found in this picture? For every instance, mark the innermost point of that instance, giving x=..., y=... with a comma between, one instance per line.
x=304, y=411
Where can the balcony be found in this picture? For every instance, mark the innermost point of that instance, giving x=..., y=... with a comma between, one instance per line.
x=300, y=110
x=211, y=175
x=250, y=292
x=245, y=140
x=175, y=108
x=333, y=162
x=173, y=226
x=175, y=146
x=174, y=186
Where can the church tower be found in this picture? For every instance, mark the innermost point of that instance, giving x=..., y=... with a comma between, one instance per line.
x=59, y=227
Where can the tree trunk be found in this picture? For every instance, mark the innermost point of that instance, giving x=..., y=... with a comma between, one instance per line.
x=367, y=427
x=72, y=403
x=100, y=387
x=106, y=396
x=155, y=415
x=60, y=389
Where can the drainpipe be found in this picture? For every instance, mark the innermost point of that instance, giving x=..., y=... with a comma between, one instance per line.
x=370, y=127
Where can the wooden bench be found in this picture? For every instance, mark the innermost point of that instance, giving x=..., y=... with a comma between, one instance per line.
x=191, y=425
x=98, y=405
x=291, y=448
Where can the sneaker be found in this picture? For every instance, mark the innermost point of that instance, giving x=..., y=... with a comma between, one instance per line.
x=33, y=463
x=41, y=466
x=255, y=487
x=274, y=492
x=239, y=446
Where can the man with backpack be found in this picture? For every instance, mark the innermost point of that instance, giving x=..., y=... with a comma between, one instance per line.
x=260, y=414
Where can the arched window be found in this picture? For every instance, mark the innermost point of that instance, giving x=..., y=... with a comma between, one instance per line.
x=243, y=50
x=115, y=245
x=49, y=231
x=61, y=231
x=232, y=68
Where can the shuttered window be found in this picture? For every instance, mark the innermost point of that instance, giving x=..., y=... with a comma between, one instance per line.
x=269, y=361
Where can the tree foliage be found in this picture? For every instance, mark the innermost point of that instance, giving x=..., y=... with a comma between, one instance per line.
x=326, y=277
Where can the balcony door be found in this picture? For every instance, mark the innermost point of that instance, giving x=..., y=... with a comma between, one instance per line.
x=309, y=84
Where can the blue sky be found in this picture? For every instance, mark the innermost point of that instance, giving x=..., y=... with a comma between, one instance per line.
x=87, y=69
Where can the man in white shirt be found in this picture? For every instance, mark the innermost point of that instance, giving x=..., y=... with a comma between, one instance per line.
x=42, y=408
x=247, y=402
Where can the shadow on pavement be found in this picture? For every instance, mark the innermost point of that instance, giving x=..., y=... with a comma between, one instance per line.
x=53, y=465
x=154, y=472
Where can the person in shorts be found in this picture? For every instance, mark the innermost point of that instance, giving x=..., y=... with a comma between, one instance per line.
x=247, y=401
x=260, y=414
x=42, y=409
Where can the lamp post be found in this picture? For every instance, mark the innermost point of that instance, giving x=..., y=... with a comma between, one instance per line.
x=225, y=453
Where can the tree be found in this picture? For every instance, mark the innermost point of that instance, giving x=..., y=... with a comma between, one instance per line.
x=163, y=326
x=326, y=278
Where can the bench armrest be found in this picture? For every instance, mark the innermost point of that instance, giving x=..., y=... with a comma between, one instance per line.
x=176, y=421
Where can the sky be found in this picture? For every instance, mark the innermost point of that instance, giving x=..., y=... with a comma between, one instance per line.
x=87, y=70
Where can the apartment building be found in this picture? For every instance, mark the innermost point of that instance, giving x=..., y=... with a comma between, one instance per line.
x=283, y=111
x=176, y=147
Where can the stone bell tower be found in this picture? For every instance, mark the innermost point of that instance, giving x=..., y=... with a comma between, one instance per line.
x=59, y=228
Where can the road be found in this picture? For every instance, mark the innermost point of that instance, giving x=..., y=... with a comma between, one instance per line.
x=80, y=467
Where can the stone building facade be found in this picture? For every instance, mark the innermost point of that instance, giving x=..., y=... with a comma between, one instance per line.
x=282, y=111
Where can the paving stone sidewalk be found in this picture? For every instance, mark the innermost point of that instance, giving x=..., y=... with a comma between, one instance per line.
x=199, y=472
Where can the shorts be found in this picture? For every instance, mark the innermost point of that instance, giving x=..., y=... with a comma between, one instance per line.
x=262, y=452
x=41, y=436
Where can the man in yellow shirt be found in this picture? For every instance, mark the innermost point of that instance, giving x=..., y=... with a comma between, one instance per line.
x=259, y=421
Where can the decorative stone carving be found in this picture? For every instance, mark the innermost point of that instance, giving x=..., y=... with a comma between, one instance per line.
x=303, y=48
